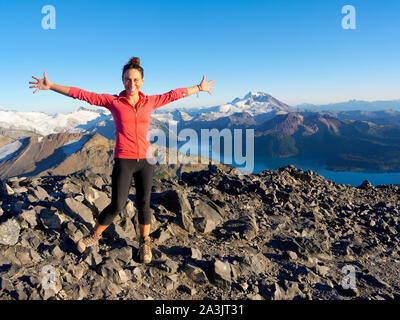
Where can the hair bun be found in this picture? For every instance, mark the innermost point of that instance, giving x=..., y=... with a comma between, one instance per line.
x=134, y=60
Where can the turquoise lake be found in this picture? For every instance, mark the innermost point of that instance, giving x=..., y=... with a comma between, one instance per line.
x=342, y=177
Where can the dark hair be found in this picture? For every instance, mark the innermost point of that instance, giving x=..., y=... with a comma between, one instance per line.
x=133, y=63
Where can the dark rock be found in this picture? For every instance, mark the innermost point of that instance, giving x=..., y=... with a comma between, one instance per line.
x=162, y=235
x=169, y=285
x=195, y=273
x=158, y=255
x=374, y=281
x=72, y=231
x=5, y=189
x=169, y=266
x=27, y=256
x=205, y=217
x=27, y=219
x=39, y=193
x=56, y=252
x=123, y=254
x=189, y=290
x=282, y=234
x=20, y=291
x=125, y=228
x=278, y=293
x=95, y=199
x=71, y=188
x=365, y=185
x=92, y=257
x=50, y=219
x=6, y=285
x=322, y=270
x=178, y=203
x=29, y=238
x=137, y=274
x=245, y=226
x=112, y=271
x=348, y=292
x=79, y=211
x=252, y=263
x=292, y=290
x=290, y=255
x=76, y=270
x=288, y=290
x=17, y=207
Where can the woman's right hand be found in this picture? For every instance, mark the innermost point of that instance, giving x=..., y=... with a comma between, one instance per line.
x=41, y=84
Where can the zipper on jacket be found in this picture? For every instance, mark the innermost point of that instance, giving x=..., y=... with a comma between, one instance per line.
x=137, y=141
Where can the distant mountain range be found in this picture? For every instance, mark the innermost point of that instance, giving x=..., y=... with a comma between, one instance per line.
x=352, y=105
x=347, y=140
x=35, y=143
x=347, y=145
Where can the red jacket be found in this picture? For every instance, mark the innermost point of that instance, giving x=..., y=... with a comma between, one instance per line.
x=131, y=126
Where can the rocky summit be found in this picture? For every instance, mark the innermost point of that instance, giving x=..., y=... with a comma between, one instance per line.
x=216, y=234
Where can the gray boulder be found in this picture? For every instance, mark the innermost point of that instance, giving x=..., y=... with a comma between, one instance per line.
x=112, y=271
x=39, y=193
x=195, y=273
x=123, y=254
x=50, y=219
x=5, y=189
x=205, y=217
x=27, y=219
x=177, y=202
x=222, y=274
x=95, y=199
x=79, y=211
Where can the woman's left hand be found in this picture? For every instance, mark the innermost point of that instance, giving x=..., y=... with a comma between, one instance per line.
x=206, y=86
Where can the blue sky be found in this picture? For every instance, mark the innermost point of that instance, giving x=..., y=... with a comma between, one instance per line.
x=295, y=50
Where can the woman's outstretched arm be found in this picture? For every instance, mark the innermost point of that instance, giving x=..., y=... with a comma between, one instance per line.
x=173, y=95
x=60, y=89
x=46, y=84
x=101, y=100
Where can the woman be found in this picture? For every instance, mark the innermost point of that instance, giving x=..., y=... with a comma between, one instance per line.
x=131, y=111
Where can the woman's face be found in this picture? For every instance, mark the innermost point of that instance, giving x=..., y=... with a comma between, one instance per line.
x=132, y=81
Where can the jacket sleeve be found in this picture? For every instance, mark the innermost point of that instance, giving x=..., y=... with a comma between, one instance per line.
x=101, y=100
x=160, y=100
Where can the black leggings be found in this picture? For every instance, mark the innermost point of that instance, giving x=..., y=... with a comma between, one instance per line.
x=124, y=169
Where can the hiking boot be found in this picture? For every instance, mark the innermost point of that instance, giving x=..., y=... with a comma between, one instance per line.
x=145, y=250
x=86, y=242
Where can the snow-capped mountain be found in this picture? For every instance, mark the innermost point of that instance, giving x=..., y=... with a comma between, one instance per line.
x=18, y=124
x=171, y=117
x=257, y=104
x=45, y=124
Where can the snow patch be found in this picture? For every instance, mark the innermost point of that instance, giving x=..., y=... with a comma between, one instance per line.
x=74, y=145
x=9, y=149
